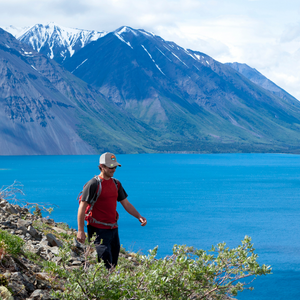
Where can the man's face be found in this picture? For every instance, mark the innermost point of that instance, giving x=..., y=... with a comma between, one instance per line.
x=108, y=172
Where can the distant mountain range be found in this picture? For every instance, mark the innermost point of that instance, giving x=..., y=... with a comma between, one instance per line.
x=130, y=91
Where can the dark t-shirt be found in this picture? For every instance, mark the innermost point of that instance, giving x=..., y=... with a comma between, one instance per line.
x=105, y=208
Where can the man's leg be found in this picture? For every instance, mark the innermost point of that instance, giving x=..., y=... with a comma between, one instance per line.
x=103, y=241
x=115, y=246
x=90, y=231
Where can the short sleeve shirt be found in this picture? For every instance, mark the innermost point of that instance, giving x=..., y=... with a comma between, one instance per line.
x=105, y=208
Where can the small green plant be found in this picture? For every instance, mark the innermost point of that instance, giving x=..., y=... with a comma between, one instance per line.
x=13, y=243
x=122, y=250
x=66, y=236
x=54, y=269
x=37, y=211
x=38, y=224
x=63, y=226
x=33, y=257
x=3, y=281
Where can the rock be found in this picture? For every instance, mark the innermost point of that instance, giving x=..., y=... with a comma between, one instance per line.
x=39, y=295
x=18, y=289
x=59, y=230
x=77, y=244
x=53, y=241
x=5, y=294
x=22, y=229
x=3, y=202
x=44, y=242
x=23, y=223
x=47, y=221
x=43, y=276
x=10, y=209
x=33, y=232
x=54, y=250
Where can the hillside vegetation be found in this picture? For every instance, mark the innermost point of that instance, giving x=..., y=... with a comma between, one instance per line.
x=41, y=259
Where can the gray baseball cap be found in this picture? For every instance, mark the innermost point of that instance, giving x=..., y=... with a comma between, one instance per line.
x=109, y=159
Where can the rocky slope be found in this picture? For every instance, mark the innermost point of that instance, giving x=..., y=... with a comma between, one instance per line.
x=25, y=277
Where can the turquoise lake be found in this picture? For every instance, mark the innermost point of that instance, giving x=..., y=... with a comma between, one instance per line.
x=193, y=199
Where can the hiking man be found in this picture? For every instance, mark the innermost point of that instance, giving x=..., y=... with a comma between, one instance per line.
x=102, y=218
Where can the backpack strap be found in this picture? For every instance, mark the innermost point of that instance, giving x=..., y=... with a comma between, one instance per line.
x=99, y=188
x=117, y=183
x=102, y=223
x=97, y=194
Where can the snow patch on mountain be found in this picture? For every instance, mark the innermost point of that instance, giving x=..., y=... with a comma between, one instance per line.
x=147, y=33
x=15, y=31
x=153, y=60
x=121, y=38
x=164, y=54
x=179, y=59
x=55, y=41
x=188, y=53
x=126, y=29
x=80, y=65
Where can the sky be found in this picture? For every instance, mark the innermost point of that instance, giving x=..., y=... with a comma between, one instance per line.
x=264, y=34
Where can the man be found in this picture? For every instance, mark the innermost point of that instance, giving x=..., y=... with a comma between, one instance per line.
x=103, y=217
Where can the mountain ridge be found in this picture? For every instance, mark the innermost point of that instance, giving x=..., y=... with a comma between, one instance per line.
x=145, y=94
x=259, y=79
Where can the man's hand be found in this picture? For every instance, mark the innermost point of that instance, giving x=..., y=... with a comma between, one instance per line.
x=81, y=237
x=143, y=221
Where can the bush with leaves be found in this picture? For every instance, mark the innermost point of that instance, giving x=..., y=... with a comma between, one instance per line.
x=187, y=274
x=10, y=244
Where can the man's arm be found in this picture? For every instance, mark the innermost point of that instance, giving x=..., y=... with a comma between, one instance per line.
x=131, y=210
x=80, y=219
x=89, y=191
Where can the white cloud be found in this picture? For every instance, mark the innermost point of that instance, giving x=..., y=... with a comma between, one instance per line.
x=265, y=34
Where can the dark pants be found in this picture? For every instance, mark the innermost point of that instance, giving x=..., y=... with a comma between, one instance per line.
x=107, y=250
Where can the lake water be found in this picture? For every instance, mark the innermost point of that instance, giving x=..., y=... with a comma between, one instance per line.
x=192, y=199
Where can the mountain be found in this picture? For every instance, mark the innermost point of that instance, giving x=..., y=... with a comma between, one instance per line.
x=197, y=103
x=46, y=110
x=130, y=91
x=259, y=79
x=55, y=41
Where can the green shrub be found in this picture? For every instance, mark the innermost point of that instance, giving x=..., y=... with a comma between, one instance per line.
x=187, y=274
x=14, y=244
x=3, y=281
